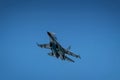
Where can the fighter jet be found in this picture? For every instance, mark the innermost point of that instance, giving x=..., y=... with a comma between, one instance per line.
x=57, y=50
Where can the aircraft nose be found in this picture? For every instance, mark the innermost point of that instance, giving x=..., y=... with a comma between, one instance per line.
x=48, y=33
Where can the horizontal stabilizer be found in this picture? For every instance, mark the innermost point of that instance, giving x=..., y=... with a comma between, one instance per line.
x=68, y=59
x=72, y=54
x=47, y=46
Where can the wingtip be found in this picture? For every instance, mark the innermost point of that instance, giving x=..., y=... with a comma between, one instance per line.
x=78, y=56
x=39, y=45
x=73, y=61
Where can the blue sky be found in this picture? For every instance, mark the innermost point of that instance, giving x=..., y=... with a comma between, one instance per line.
x=91, y=27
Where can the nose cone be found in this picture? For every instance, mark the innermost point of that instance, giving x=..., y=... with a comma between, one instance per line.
x=51, y=35
x=48, y=33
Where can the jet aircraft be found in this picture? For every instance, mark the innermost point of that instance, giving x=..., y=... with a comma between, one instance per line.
x=57, y=50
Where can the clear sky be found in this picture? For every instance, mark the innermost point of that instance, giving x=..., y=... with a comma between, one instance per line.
x=91, y=27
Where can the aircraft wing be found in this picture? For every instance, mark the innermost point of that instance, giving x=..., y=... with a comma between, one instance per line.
x=47, y=46
x=53, y=54
x=72, y=54
x=68, y=59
